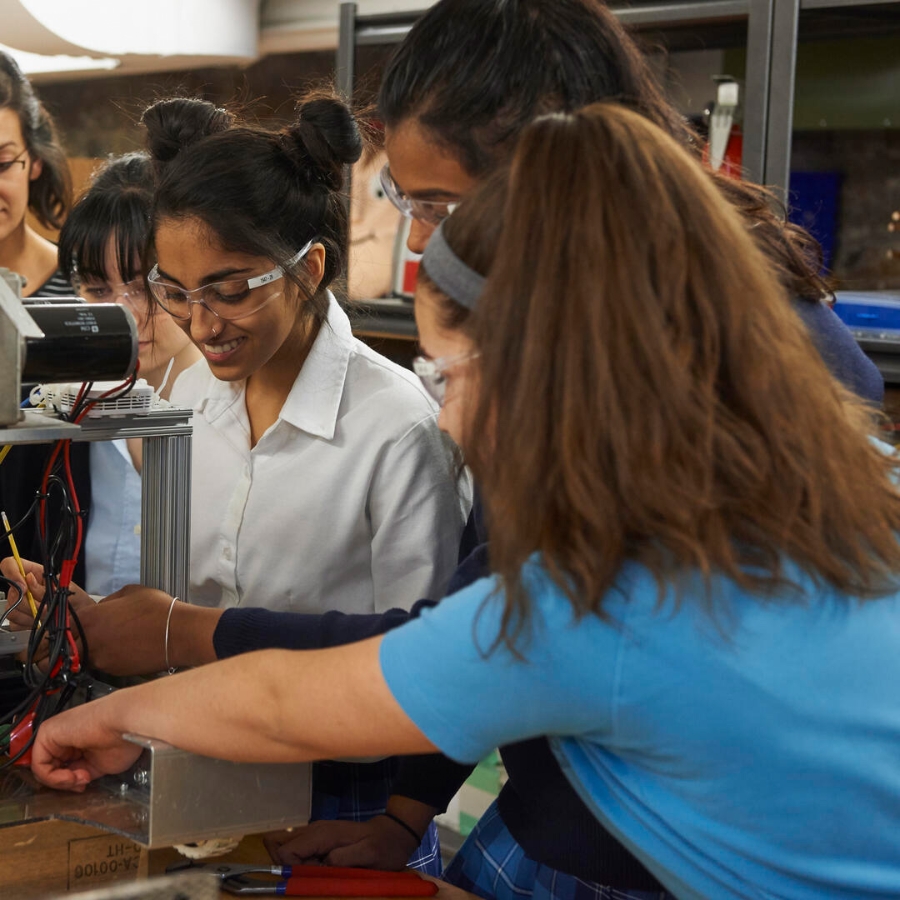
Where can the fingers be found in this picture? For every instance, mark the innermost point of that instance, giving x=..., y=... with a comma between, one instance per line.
x=61, y=768
x=359, y=855
x=20, y=619
x=312, y=842
x=72, y=778
x=9, y=568
x=274, y=841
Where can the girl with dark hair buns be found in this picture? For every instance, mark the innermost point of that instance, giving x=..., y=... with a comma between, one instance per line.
x=332, y=449
x=34, y=176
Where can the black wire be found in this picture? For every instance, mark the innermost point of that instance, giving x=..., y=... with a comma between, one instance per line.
x=52, y=690
x=19, y=591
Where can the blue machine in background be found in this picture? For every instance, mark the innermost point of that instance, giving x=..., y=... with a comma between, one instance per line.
x=874, y=319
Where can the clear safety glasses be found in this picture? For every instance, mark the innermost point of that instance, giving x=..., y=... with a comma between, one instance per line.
x=132, y=294
x=432, y=373
x=227, y=300
x=429, y=212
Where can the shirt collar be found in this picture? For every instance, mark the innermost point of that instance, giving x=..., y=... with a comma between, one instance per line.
x=315, y=398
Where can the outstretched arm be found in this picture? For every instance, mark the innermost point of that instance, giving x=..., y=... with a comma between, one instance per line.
x=270, y=706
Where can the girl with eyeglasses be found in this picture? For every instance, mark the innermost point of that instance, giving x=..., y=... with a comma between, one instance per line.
x=101, y=250
x=101, y=247
x=320, y=480
x=34, y=176
x=694, y=540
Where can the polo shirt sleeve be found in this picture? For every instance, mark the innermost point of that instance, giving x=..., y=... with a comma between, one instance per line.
x=468, y=698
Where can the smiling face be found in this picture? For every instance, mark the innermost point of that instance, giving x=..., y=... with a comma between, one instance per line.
x=15, y=182
x=160, y=339
x=439, y=343
x=423, y=170
x=190, y=256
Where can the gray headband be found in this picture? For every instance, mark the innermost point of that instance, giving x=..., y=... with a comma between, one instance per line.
x=460, y=283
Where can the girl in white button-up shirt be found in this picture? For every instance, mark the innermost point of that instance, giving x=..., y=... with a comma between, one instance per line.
x=320, y=478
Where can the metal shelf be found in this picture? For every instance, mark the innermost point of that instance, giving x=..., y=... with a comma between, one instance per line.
x=39, y=427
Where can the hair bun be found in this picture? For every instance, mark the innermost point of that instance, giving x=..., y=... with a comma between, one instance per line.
x=324, y=139
x=175, y=124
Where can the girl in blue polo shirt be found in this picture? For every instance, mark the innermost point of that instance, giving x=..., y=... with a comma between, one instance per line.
x=693, y=537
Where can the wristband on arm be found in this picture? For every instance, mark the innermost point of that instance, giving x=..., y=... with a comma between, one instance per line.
x=403, y=825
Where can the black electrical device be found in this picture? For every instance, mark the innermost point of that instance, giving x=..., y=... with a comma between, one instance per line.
x=82, y=342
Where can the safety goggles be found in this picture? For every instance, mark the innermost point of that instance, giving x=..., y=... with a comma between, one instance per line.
x=131, y=293
x=227, y=300
x=432, y=373
x=429, y=212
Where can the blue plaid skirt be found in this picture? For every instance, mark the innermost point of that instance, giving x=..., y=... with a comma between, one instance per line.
x=491, y=864
x=357, y=792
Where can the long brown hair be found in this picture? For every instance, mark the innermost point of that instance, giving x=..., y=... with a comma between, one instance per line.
x=647, y=393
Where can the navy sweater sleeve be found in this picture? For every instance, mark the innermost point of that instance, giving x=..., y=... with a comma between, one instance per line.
x=243, y=630
x=839, y=350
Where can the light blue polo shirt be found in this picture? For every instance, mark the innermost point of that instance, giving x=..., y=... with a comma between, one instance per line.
x=754, y=755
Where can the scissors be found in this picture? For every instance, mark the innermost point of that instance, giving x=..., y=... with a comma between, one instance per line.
x=313, y=881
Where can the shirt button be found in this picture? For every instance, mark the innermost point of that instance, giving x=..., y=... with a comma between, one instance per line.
x=227, y=553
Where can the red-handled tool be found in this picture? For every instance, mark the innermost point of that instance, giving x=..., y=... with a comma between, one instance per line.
x=304, y=886
x=316, y=881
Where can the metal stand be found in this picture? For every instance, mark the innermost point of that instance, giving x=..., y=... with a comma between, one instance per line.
x=166, y=488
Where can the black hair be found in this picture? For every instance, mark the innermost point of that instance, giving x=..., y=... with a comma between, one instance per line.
x=260, y=191
x=117, y=204
x=474, y=73
x=50, y=194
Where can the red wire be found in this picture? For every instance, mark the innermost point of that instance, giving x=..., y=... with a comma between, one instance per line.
x=74, y=496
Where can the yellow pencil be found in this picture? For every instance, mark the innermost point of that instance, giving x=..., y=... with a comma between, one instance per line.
x=18, y=559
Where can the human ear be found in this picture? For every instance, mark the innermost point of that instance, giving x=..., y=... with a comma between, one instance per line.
x=315, y=265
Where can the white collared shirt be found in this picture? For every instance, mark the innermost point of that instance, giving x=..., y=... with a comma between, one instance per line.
x=349, y=501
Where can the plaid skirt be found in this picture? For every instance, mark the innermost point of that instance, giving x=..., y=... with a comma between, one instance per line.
x=491, y=864
x=357, y=792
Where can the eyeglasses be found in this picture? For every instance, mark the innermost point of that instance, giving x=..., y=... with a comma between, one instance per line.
x=131, y=293
x=429, y=212
x=432, y=373
x=7, y=164
x=226, y=300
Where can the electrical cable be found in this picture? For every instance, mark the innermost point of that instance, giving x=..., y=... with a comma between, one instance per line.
x=55, y=624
